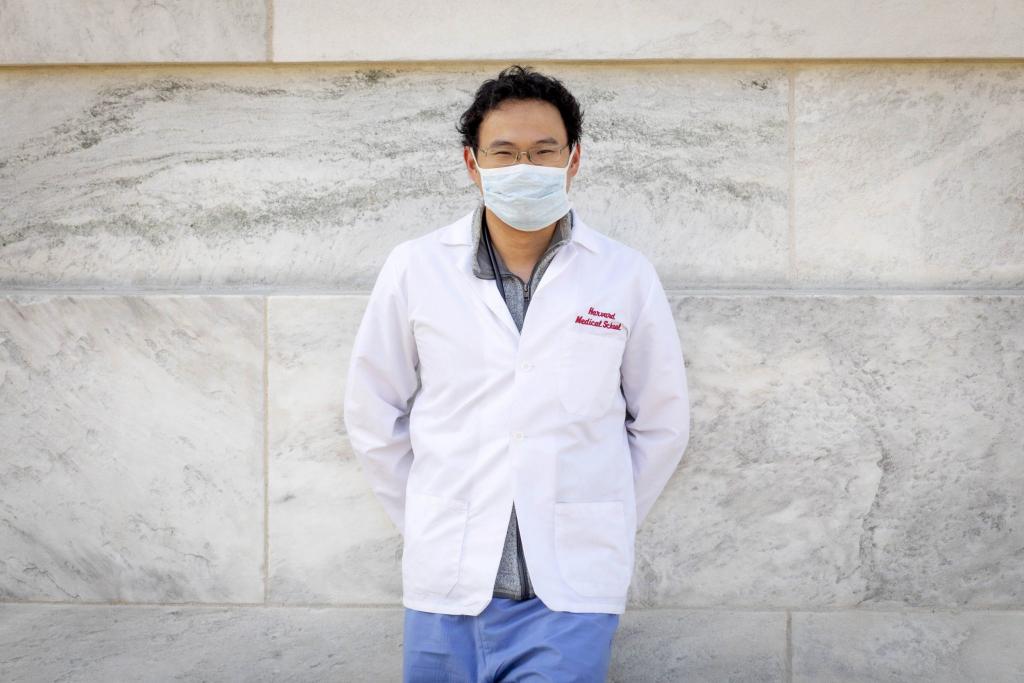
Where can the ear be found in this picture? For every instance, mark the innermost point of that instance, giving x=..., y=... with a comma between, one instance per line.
x=574, y=165
x=471, y=169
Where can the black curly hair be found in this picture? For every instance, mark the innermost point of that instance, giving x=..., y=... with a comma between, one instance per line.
x=520, y=83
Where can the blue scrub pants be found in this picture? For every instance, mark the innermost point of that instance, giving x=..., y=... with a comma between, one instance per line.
x=511, y=640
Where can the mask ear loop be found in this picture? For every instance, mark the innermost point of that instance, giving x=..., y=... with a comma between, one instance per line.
x=486, y=235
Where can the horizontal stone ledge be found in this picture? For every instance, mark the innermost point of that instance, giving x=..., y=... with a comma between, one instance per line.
x=312, y=30
x=861, y=645
x=106, y=31
x=113, y=31
x=311, y=644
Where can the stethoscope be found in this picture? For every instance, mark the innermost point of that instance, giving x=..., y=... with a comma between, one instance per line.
x=494, y=262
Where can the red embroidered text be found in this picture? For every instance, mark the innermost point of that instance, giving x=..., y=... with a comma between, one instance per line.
x=603, y=319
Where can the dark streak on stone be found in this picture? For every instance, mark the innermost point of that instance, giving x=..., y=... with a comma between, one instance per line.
x=374, y=76
x=114, y=110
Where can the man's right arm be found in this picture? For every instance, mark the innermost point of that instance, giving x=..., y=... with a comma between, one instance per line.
x=382, y=380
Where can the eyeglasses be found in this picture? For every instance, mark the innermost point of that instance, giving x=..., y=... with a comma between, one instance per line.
x=544, y=155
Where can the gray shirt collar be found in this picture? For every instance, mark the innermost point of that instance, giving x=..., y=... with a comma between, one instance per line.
x=482, y=264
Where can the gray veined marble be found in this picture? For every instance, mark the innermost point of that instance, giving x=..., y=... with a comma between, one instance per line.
x=131, y=448
x=330, y=540
x=305, y=176
x=846, y=451
x=902, y=175
x=910, y=176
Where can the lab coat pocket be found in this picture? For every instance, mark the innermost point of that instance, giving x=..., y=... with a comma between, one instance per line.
x=592, y=547
x=589, y=375
x=435, y=528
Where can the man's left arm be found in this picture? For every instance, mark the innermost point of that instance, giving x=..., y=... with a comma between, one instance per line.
x=657, y=399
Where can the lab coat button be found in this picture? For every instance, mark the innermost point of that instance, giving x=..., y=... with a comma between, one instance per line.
x=517, y=435
x=526, y=365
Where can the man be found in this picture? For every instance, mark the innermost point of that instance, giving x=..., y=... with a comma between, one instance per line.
x=517, y=429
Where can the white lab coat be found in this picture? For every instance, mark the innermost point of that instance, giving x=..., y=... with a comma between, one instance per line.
x=453, y=415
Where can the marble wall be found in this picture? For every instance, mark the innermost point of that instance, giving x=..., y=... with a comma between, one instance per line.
x=118, y=31
x=185, y=253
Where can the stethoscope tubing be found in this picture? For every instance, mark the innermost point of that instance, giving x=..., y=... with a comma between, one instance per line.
x=494, y=263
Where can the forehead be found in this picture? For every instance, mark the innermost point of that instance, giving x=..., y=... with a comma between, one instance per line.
x=522, y=122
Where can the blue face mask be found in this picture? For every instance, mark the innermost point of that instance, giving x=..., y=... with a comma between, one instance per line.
x=526, y=196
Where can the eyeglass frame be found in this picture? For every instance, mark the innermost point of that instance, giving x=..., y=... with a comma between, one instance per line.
x=519, y=154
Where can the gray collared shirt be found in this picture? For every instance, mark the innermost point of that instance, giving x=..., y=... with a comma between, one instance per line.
x=513, y=578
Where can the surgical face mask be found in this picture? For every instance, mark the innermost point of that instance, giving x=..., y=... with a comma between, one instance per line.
x=526, y=196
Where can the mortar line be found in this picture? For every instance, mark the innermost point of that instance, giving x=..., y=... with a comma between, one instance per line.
x=924, y=610
x=459, y=64
x=789, y=647
x=671, y=291
x=270, y=31
x=791, y=168
x=266, y=450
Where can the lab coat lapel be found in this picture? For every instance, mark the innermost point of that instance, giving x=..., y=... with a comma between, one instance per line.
x=459, y=234
x=486, y=290
x=582, y=236
x=492, y=297
x=557, y=266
